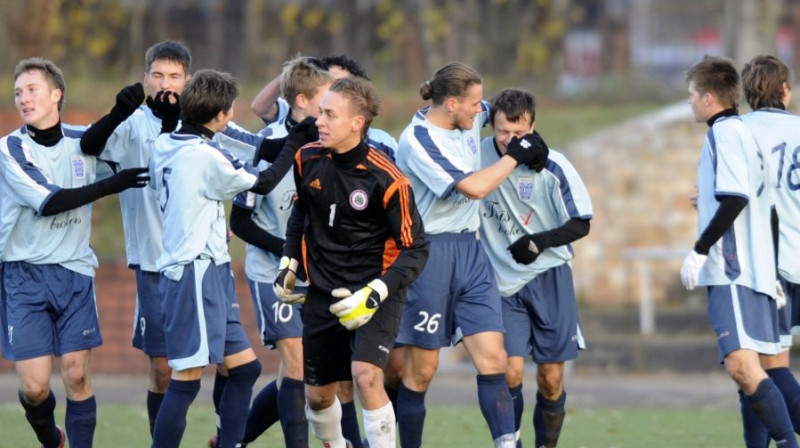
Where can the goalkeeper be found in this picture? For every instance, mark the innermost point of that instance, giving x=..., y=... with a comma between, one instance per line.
x=356, y=229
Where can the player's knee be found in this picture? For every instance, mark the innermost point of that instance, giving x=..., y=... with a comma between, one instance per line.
x=76, y=377
x=420, y=376
x=160, y=374
x=513, y=376
x=35, y=393
x=492, y=362
x=741, y=373
x=344, y=391
x=317, y=401
x=368, y=379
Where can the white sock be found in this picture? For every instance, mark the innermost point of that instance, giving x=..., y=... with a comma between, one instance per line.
x=379, y=427
x=326, y=425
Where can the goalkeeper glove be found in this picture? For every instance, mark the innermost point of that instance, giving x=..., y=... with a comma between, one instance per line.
x=283, y=287
x=690, y=271
x=356, y=309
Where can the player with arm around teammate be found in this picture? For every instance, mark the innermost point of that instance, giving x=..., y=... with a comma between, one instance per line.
x=734, y=255
x=48, y=266
x=527, y=225
x=357, y=231
x=767, y=89
x=438, y=151
x=193, y=176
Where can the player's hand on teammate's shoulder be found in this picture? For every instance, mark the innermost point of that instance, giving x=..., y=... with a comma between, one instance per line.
x=129, y=178
x=524, y=250
x=356, y=309
x=530, y=150
x=303, y=133
x=284, y=284
x=129, y=99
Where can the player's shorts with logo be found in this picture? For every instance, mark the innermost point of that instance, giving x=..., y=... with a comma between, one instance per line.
x=743, y=318
x=48, y=309
x=456, y=289
x=276, y=320
x=201, y=315
x=542, y=318
x=329, y=348
x=148, y=322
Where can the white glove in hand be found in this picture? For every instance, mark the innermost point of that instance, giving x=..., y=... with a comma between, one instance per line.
x=780, y=296
x=690, y=271
x=283, y=287
x=356, y=309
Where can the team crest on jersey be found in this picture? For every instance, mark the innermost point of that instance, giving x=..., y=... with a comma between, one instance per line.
x=359, y=200
x=78, y=167
x=525, y=188
x=472, y=146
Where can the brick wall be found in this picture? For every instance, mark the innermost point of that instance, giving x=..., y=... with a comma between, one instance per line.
x=116, y=296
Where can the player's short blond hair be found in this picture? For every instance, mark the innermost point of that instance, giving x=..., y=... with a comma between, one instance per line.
x=303, y=75
x=52, y=74
x=363, y=98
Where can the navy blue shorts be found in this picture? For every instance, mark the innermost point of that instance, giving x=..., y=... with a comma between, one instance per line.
x=542, y=318
x=276, y=320
x=148, y=323
x=47, y=310
x=743, y=319
x=456, y=289
x=201, y=315
x=789, y=316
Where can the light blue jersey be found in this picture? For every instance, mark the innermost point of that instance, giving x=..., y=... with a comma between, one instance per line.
x=193, y=176
x=435, y=160
x=33, y=173
x=8, y=213
x=271, y=213
x=777, y=134
x=528, y=202
x=732, y=164
x=130, y=146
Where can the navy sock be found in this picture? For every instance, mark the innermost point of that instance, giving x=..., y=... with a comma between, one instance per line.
x=392, y=393
x=216, y=394
x=410, y=416
x=350, y=429
x=291, y=408
x=235, y=401
x=548, y=417
x=519, y=405
x=42, y=420
x=263, y=412
x=754, y=432
x=171, y=420
x=153, y=404
x=790, y=389
x=81, y=420
x=495, y=403
x=768, y=404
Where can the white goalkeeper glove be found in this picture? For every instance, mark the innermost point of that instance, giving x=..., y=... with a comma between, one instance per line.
x=690, y=271
x=283, y=287
x=780, y=296
x=356, y=309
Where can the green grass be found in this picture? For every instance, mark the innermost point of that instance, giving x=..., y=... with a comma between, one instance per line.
x=122, y=426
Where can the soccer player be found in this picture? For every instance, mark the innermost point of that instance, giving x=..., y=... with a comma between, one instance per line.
x=527, y=225
x=438, y=152
x=260, y=220
x=734, y=256
x=48, y=306
x=167, y=66
x=193, y=176
x=765, y=80
x=358, y=233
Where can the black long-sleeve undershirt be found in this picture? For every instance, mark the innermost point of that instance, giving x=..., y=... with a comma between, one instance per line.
x=572, y=230
x=729, y=208
x=243, y=226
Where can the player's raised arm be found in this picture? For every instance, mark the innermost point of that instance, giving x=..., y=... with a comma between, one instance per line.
x=305, y=132
x=128, y=100
x=265, y=104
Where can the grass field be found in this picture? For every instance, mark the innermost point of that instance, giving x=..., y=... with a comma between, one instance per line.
x=125, y=425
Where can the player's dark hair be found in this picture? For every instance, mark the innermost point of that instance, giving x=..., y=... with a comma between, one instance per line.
x=762, y=79
x=363, y=97
x=346, y=63
x=515, y=104
x=303, y=75
x=52, y=74
x=171, y=51
x=452, y=80
x=207, y=93
x=718, y=76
